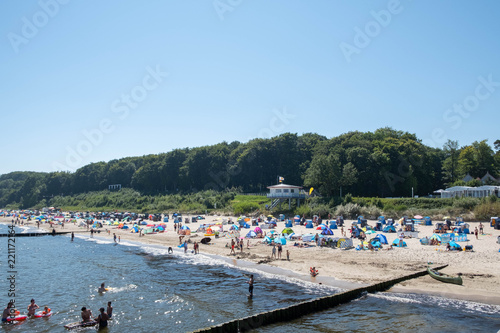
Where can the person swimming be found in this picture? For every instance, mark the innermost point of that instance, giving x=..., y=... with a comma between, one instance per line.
x=102, y=289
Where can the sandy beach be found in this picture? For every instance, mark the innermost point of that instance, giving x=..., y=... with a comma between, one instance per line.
x=480, y=269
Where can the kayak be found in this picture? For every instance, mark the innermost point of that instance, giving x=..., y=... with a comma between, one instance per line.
x=42, y=315
x=444, y=277
x=78, y=324
x=17, y=318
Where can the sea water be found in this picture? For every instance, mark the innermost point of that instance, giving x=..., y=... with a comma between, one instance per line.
x=153, y=291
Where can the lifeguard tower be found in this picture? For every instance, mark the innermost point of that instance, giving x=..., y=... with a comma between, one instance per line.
x=281, y=192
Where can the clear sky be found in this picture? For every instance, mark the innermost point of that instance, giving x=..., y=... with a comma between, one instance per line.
x=88, y=81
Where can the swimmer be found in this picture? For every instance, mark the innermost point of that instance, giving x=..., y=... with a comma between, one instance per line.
x=101, y=289
x=170, y=250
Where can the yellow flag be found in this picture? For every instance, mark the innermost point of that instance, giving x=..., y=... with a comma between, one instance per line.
x=311, y=190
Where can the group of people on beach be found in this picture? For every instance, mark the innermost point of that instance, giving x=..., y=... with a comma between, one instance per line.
x=12, y=312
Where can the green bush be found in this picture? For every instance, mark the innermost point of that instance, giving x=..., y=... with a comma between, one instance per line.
x=244, y=207
x=487, y=210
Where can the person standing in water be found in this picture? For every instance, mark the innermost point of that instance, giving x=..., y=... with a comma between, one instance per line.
x=109, y=310
x=32, y=308
x=102, y=319
x=250, y=285
x=72, y=236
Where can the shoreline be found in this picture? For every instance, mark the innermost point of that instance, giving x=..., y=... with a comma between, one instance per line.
x=345, y=269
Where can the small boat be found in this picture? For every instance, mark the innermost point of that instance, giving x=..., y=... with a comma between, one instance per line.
x=444, y=277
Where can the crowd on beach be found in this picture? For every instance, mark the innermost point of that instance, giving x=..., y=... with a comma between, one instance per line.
x=305, y=249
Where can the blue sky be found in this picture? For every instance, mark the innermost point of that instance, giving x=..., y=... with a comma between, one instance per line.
x=199, y=72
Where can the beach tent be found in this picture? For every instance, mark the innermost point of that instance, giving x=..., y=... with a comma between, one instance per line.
x=296, y=218
x=267, y=239
x=389, y=228
x=287, y=231
x=125, y=227
x=135, y=229
x=185, y=227
x=333, y=225
x=257, y=230
x=455, y=246
x=327, y=231
x=307, y=238
x=309, y=225
x=436, y=237
x=289, y=224
x=205, y=240
x=251, y=234
x=397, y=243
x=280, y=240
x=382, y=238
x=322, y=227
x=376, y=243
x=234, y=227
x=345, y=243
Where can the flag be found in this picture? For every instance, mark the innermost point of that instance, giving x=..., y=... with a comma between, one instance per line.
x=281, y=179
x=311, y=190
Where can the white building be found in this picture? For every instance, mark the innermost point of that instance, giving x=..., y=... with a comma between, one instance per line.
x=281, y=192
x=472, y=192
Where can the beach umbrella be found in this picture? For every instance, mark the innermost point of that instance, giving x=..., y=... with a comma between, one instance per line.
x=287, y=231
x=185, y=227
x=322, y=227
x=234, y=227
x=327, y=231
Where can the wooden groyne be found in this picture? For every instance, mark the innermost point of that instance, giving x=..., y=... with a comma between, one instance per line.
x=295, y=311
x=35, y=234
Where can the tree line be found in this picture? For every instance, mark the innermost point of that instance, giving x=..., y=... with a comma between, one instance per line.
x=383, y=163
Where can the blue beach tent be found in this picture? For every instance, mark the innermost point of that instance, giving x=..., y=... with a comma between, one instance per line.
x=389, y=228
x=382, y=238
x=309, y=225
x=397, y=243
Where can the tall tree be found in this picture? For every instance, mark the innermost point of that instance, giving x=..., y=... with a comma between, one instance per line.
x=450, y=163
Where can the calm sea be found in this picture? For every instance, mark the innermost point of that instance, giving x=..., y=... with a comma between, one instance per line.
x=153, y=291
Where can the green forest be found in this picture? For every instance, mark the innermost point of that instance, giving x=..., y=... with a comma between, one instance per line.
x=380, y=164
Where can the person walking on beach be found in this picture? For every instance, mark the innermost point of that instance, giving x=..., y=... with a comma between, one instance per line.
x=185, y=247
x=287, y=255
x=279, y=250
x=241, y=245
x=476, y=232
x=232, y=247
x=273, y=252
x=114, y=237
x=481, y=228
